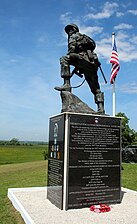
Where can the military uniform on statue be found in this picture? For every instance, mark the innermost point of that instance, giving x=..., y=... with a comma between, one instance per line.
x=81, y=55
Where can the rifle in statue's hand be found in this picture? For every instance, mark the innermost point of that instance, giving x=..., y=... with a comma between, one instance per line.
x=77, y=72
x=102, y=73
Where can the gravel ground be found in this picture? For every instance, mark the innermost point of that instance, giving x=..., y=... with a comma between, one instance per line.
x=42, y=211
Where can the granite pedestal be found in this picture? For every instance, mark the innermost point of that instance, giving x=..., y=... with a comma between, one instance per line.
x=84, y=165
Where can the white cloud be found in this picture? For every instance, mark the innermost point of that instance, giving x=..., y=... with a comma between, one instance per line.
x=119, y=14
x=104, y=48
x=134, y=12
x=107, y=11
x=129, y=88
x=123, y=26
x=66, y=18
x=127, y=48
x=91, y=30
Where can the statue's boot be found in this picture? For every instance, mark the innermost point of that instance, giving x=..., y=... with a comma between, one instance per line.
x=99, y=100
x=65, y=73
x=65, y=87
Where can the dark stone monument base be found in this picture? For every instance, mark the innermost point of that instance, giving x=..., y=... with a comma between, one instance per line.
x=84, y=166
x=71, y=103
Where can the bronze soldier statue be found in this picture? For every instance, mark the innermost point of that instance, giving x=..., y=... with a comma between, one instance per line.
x=81, y=55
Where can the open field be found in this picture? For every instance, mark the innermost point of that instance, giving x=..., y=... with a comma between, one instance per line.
x=21, y=154
x=22, y=173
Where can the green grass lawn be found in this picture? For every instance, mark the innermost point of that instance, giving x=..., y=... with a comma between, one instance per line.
x=21, y=154
x=23, y=166
x=129, y=176
x=30, y=174
x=29, y=169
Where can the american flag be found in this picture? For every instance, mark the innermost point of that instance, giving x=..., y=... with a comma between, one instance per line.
x=115, y=63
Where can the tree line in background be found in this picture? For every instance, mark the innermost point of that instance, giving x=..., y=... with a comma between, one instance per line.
x=129, y=136
x=15, y=141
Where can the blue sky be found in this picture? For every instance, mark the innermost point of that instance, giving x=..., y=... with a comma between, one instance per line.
x=32, y=39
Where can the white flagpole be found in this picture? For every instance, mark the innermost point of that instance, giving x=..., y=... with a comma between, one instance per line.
x=114, y=99
x=113, y=91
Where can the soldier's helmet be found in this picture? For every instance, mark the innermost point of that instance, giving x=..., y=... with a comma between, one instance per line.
x=71, y=26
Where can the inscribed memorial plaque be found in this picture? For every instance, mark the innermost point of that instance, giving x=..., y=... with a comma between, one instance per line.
x=94, y=160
